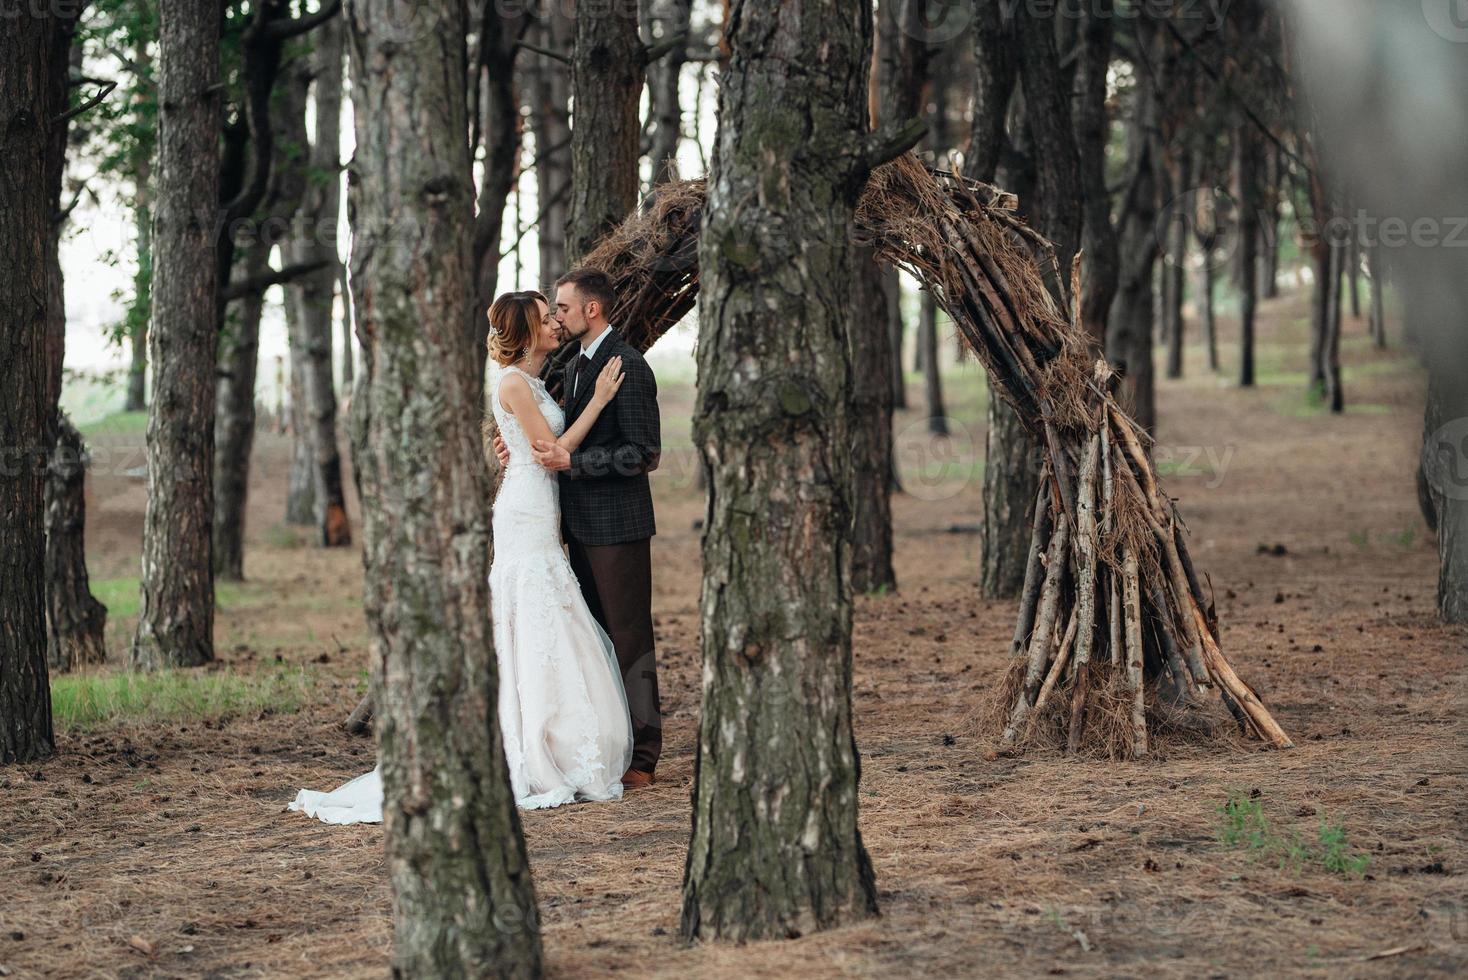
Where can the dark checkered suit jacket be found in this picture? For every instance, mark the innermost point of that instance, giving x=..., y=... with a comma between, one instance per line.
x=605, y=497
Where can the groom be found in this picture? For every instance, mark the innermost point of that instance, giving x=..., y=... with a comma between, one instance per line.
x=606, y=503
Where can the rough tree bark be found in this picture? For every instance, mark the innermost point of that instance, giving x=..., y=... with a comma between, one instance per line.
x=1054, y=208
x=900, y=67
x=463, y=900
x=313, y=292
x=775, y=849
x=1009, y=472
x=1092, y=136
x=871, y=430
x=929, y=360
x=1246, y=177
x=550, y=97
x=1174, y=270
x=29, y=51
x=1129, y=336
x=1445, y=472
x=234, y=417
x=142, y=168
x=1330, y=347
x=176, y=612
x=606, y=77
x=76, y=620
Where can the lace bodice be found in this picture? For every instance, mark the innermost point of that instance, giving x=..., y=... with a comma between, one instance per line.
x=516, y=439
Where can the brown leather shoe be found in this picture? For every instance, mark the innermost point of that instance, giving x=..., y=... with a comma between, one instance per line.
x=637, y=779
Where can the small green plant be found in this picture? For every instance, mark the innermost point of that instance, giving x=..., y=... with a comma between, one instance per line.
x=1244, y=825
x=1335, y=853
x=1360, y=539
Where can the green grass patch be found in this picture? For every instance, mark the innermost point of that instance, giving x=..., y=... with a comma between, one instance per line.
x=1245, y=826
x=117, y=424
x=121, y=595
x=106, y=699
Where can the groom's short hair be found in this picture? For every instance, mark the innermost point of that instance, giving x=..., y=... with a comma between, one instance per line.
x=592, y=284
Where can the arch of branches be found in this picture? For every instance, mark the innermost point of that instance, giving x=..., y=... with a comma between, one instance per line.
x=1114, y=633
x=1114, y=630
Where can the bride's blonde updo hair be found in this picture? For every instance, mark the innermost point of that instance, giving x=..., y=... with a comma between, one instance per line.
x=514, y=319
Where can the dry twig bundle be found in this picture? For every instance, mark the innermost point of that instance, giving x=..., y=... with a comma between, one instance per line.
x=1111, y=602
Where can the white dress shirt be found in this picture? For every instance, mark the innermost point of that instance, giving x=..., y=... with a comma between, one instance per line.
x=590, y=354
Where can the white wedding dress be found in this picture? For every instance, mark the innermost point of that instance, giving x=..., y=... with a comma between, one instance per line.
x=562, y=709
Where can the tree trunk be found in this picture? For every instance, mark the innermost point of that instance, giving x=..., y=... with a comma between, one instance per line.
x=1092, y=135
x=290, y=186
x=550, y=119
x=137, y=373
x=1353, y=269
x=314, y=292
x=1322, y=257
x=931, y=366
x=899, y=74
x=1054, y=208
x=666, y=20
x=300, y=494
x=77, y=635
x=1175, y=268
x=1246, y=177
x=775, y=850
x=1010, y=469
x=1129, y=337
x=1376, y=272
x=33, y=48
x=76, y=619
x=1273, y=196
x=499, y=121
x=234, y=420
x=871, y=432
x=897, y=333
x=176, y=612
x=348, y=367
x=1008, y=477
x=607, y=75
x=1330, y=350
x=1210, y=316
x=463, y=899
x=1445, y=476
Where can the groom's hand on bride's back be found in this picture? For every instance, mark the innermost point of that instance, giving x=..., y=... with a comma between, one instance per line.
x=501, y=451
x=552, y=455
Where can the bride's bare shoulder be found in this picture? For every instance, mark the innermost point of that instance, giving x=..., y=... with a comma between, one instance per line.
x=513, y=387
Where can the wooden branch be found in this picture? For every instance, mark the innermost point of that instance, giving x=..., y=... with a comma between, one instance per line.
x=889, y=144
x=663, y=48
x=1034, y=570
x=284, y=30
x=1132, y=614
x=86, y=106
x=275, y=277
x=537, y=49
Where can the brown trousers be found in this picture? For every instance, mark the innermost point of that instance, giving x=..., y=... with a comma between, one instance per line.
x=616, y=581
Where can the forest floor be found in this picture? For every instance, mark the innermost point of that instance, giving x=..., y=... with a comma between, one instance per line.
x=162, y=847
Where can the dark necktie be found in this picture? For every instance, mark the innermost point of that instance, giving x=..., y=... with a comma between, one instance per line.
x=583, y=369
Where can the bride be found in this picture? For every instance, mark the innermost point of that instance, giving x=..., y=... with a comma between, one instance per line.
x=562, y=709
